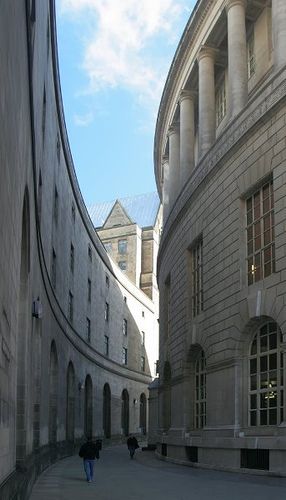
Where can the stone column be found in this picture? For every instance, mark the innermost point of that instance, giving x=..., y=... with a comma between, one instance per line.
x=166, y=187
x=187, y=135
x=279, y=32
x=237, y=58
x=206, y=99
x=174, y=163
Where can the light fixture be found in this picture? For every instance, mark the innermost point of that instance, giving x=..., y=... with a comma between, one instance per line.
x=135, y=401
x=37, y=308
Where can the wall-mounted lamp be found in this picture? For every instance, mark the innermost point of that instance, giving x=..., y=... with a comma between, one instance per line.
x=37, y=308
x=135, y=401
x=80, y=386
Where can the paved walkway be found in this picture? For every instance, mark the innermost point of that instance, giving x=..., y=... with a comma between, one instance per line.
x=147, y=478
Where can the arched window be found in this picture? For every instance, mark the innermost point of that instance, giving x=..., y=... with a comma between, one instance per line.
x=106, y=411
x=200, y=395
x=125, y=412
x=53, y=394
x=266, y=386
x=88, y=413
x=143, y=410
x=70, y=408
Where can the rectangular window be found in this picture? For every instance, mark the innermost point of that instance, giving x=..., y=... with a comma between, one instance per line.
x=88, y=330
x=106, y=311
x=251, y=63
x=108, y=246
x=260, y=234
x=124, y=326
x=124, y=355
x=143, y=338
x=70, y=307
x=123, y=265
x=72, y=258
x=142, y=364
x=54, y=269
x=197, y=278
x=122, y=247
x=89, y=290
x=89, y=251
x=220, y=102
x=106, y=345
x=107, y=280
x=56, y=205
x=73, y=212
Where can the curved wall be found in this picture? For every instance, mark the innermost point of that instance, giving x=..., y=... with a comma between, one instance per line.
x=66, y=367
x=221, y=263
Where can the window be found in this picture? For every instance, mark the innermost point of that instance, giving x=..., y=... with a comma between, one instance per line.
x=266, y=385
x=44, y=113
x=70, y=307
x=54, y=269
x=143, y=314
x=143, y=338
x=200, y=396
x=142, y=364
x=89, y=290
x=251, y=63
x=125, y=299
x=260, y=234
x=58, y=147
x=122, y=247
x=107, y=280
x=124, y=356
x=220, y=102
x=123, y=265
x=73, y=212
x=72, y=258
x=124, y=326
x=108, y=246
x=88, y=330
x=56, y=205
x=106, y=345
x=106, y=311
x=89, y=251
x=197, y=278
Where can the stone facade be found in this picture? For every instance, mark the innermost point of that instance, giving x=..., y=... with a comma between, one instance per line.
x=220, y=157
x=71, y=343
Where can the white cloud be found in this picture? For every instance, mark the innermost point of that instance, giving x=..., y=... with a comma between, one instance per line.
x=83, y=120
x=120, y=43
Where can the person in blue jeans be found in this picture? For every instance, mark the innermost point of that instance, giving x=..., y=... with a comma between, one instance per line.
x=89, y=451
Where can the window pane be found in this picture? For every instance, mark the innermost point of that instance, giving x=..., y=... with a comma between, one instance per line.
x=263, y=417
x=253, y=418
x=254, y=346
x=253, y=366
x=272, y=417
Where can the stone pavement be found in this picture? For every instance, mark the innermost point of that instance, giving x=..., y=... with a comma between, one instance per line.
x=147, y=478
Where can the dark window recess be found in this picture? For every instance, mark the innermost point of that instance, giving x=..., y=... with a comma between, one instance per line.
x=254, y=459
x=164, y=450
x=192, y=453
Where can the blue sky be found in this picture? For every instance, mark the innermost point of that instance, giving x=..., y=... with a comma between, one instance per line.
x=114, y=57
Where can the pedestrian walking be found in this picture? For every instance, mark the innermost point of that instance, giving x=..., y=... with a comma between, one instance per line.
x=132, y=445
x=89, y=451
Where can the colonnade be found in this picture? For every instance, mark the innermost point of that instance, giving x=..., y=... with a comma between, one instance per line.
x=179, y=163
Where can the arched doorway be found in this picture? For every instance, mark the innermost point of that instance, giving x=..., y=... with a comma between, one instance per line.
x=53, y=394
x=23, y=309
x=125, y=412
x=88, y=407
x=70, y=408
x=143, y=413
x=106, y=411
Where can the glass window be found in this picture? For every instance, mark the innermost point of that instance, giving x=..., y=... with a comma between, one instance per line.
x=70, y=307
x=89, y=251
x=72, y=258
x=200, y=394
x=106, y=311
x=54, y=269
x=123, y=265
x=142, y=363
x=143, y=338
x=88, y=330
x=124, y=355
x=89, y=290
x=56, y=205
x=122, y=247
x=260, y=234
x=197, y=278
x=124, y=326
x=108, y=246
x=220, y=102
x=106, y=345
x=266, y=388
x=251, y=63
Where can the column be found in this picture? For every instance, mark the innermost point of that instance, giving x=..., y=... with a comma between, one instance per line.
x=237, y=56
x=206, y=99
x=166, y=187
x=187, y=135
x=174, y=163
x=279, y=32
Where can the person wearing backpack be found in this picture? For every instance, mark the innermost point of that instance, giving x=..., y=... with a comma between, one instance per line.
x=89, y=451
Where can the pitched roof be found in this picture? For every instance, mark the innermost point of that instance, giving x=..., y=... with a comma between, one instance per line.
x=142, y=209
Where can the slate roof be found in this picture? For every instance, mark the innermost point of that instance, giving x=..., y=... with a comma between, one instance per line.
x=142, y=209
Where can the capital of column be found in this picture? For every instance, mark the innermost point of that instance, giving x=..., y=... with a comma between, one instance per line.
x=173, y=129
x=187, y=94
x=232, y=3
x=206, y=51
x=165, y=159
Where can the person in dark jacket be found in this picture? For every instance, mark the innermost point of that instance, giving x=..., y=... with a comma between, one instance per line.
x=132, y=445
x=89, y=451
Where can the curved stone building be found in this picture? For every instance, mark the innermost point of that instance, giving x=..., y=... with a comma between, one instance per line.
x=220, y=165
x=73, y=357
